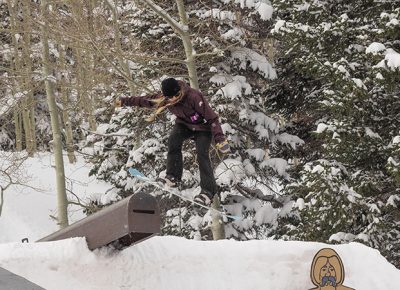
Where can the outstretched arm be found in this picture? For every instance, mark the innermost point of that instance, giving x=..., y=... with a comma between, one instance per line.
x=144, y=101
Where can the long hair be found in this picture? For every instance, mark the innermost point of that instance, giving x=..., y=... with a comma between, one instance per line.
x=162, y=103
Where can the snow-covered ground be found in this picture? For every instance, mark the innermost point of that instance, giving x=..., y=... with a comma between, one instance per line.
x=160, y=262
x=27, y=210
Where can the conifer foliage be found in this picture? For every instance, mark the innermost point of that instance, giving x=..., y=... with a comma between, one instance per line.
x=341, y=61
x=232, y=51
x=307, y=92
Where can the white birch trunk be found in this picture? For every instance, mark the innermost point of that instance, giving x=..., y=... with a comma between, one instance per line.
x=27, y=25
x=19, y=85
x=218, y=225
x=187, y=44
x=18, y=130
x=62, y=202
x=66, y=108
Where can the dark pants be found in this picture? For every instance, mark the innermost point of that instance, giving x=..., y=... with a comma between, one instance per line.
x=202, y=140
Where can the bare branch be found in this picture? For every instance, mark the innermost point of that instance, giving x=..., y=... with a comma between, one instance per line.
x=257, y=193
x=176, y=26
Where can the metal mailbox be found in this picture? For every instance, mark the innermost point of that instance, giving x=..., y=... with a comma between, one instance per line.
x=126, y=222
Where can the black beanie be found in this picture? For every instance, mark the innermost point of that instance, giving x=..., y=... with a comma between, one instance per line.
x=170, y=87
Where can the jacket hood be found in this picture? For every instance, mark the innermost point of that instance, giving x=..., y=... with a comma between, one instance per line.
x=321, y=259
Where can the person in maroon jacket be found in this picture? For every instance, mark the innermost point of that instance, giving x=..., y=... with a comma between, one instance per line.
x=194, y=118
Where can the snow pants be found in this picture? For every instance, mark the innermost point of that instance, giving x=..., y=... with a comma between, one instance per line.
x=202, y=139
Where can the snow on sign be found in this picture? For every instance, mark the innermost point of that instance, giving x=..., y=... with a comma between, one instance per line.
x=327, y=271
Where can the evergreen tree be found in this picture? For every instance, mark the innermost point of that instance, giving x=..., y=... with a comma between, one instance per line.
x=231, y=48
x=339, y=67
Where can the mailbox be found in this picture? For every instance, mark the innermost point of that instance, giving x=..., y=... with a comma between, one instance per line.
x=123, y=223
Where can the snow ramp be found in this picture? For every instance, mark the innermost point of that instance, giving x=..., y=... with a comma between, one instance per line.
x=173, y=263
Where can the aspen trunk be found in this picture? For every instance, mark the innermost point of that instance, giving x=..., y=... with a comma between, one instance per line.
x=27, y=23
x=69, y=140
x=117, y=42
x=187, y=44
x=83, y=71
x=217, y=226
x=1, y=199
x=183, y=33
x=57, y=143
x=19, y=85
x=26, y=122
x=18, y=130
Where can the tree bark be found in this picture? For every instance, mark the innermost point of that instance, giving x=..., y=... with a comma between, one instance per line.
x=55, y=126
x=217, y=226
x=18, y=130
x=69, y=140
x=118, y=45
x=182, y=30
x=82, y=65
x=27, y=25
x=19, y=84
x=187, y=44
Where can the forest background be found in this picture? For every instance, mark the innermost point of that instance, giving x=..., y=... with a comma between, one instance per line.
x=307, y=92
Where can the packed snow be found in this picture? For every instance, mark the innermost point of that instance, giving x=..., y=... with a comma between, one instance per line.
x=160, y=262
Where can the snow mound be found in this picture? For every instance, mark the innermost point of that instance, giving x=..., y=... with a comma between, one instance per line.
x=177, y=263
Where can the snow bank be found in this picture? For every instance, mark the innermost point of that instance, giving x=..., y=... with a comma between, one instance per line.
x=28, y=211
x=177, y=263
x=168, y=263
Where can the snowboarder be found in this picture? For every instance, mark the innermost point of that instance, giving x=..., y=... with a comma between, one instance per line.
x=194, y=119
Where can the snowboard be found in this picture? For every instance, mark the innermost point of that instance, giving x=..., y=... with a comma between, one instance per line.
x=139, y=175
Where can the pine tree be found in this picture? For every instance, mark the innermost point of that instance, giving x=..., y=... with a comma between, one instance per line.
x=339, y=86
x=232, y=49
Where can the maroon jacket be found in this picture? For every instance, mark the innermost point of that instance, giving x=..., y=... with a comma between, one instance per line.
x=193, y=111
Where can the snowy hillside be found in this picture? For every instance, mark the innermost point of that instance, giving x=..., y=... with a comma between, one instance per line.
x=27, y=209
x=160, y=262
x=172, y=263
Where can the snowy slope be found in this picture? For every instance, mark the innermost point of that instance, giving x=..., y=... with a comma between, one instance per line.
x=27, y=210
x=175, y=263
x=160, y=262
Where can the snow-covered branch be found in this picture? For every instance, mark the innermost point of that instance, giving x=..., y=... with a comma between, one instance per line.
x=178, y=28
x=257, y=193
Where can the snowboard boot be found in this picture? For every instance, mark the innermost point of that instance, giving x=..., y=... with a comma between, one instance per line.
x=171, y=181
x=204, y=197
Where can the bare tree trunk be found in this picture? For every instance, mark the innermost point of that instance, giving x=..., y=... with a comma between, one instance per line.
x=18, y=130
x=187, y=44
x=26, y=122
x=69, y=140
x=1, y=199
x=182, y=30
x=27, y=25
x=117, y=41
x=19, y=85
x=83, y=71
x=217, y=226
x=55, y=126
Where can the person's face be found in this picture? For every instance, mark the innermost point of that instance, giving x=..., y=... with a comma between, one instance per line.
x=328, y=270
x=174, y=98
